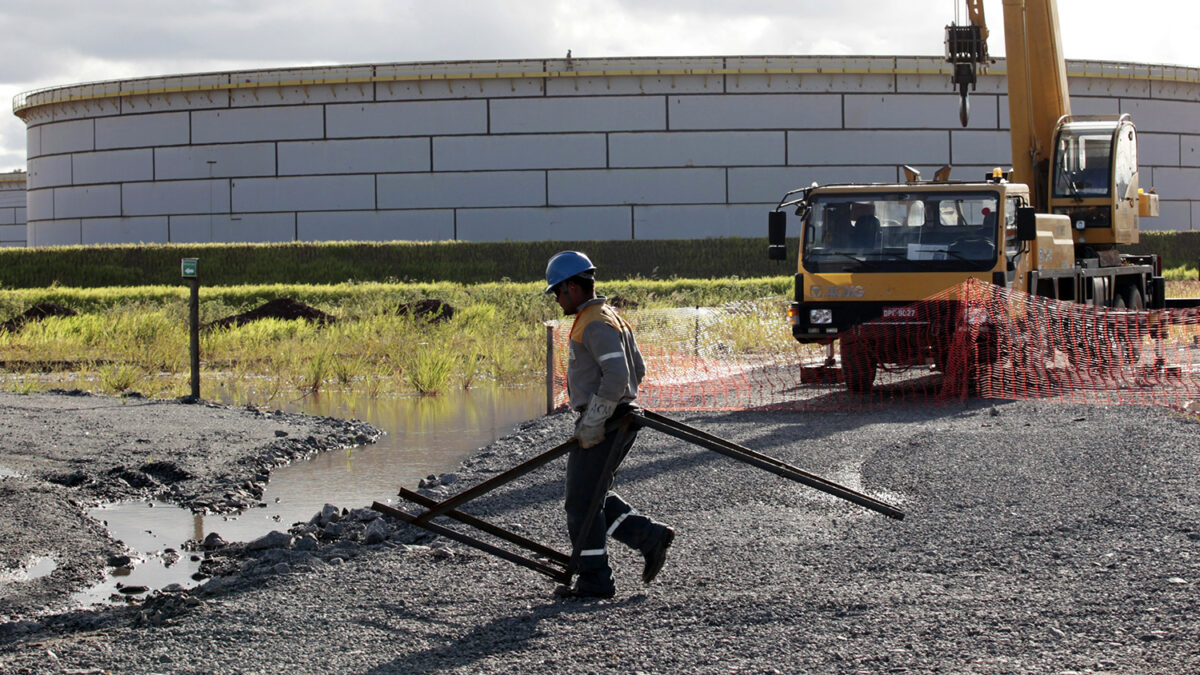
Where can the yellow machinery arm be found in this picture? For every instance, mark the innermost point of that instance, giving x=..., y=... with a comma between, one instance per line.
x=1037, y=90
x=1037, y=81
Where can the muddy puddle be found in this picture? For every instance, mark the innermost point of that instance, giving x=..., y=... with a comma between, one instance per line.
x=424, y=435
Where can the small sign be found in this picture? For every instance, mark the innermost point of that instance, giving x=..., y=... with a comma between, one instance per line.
x=187, y=268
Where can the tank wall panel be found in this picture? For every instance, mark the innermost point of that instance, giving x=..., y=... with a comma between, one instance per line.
x=1150, y=116
x=48, y=171
x=450, y=89
x=416, y=225
x=699, y=148
x=138, y=131
x=376, y=155
x=1172, y=215
x=755, y=185
x=33, y=142
x=55, y=233
x=257, y=124
x=251, y=227
x=462, y=190
x=87, y=201
x=496, y=153
x=809, y=83
x=304, y=193
x=636, y=85
x=12, y=233
x=1159, y=149
x=636, y=186
x=175, y=197
x=545, y=223
x=76, y=136
x=40, y=204
x=411, y=118
x=698, y=222
x=1189, y=152
x=558, y=115
x=1175, y=183
x=980, y=147
x=911, y=111
x=152, y=230
x=811, y=148
x=301, y=95
x=227, y=161
x=112, y=165
x=756, y=111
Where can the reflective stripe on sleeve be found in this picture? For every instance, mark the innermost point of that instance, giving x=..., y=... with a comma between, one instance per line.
x=594, y=551
x=612, y=355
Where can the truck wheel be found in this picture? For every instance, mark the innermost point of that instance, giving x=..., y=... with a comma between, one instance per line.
x=1131, y=331
x=858, y=364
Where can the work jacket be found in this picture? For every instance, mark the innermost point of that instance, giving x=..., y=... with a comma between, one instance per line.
x=603, y=359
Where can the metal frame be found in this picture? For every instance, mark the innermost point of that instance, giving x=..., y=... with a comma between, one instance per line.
x=561, y=567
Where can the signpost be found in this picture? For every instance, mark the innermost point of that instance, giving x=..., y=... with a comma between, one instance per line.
x=188, y=269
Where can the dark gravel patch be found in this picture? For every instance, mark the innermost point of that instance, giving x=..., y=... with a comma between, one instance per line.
x=1039, y=538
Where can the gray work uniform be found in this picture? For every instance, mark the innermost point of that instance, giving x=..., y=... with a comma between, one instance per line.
x=604, y=360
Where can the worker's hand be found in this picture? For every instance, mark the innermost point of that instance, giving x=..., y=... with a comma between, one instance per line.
x=591, y=428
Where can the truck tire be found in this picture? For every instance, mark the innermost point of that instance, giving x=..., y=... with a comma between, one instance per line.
x=858, y=364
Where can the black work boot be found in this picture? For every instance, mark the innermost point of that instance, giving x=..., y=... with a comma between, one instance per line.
x=595, y=580
x=588, y=586
x=656, y=555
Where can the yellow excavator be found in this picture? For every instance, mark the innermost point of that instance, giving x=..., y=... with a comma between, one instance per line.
x=1050, y=226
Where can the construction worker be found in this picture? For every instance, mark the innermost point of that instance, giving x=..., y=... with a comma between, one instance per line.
x=603, y=372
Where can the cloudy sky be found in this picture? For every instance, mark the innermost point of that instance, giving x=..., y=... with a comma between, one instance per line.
x=56, y=42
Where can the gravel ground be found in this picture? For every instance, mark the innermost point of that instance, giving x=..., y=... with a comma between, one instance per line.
x=1039, y=537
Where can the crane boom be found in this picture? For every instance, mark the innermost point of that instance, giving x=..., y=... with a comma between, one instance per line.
x=1037, y=89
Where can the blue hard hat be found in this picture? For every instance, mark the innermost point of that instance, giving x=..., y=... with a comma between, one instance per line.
x=564, y=265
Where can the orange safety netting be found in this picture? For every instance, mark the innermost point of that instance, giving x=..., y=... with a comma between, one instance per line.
x=973, y=340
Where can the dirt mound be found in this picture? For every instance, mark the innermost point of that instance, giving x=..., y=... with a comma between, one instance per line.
x=36, y=313
x=621, y=302
x=431, y=309
x=280, y=308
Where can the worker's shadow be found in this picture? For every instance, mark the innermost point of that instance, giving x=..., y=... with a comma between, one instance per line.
x=502, y=634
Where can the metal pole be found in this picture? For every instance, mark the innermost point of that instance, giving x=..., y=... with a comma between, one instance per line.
x=194, y=346
x=549, y=368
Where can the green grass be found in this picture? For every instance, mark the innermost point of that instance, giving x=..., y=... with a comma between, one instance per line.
x=135, y=338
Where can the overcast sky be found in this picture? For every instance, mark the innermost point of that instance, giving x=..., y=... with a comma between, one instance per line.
x=57, y=42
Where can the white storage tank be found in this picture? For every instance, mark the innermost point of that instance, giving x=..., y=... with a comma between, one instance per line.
x=533, y=150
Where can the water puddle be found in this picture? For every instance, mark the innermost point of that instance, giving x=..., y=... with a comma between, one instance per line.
x=424, y=435
x=37, y=567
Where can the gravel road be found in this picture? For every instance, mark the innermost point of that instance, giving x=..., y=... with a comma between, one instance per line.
x=1039, y=537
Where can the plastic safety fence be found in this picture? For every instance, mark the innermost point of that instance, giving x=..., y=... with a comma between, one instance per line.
x=972, y=340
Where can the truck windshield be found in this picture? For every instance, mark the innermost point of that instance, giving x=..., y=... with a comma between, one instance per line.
x=1083, y=160
x=902, y=231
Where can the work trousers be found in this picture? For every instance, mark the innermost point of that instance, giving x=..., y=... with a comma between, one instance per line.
x=616, y=518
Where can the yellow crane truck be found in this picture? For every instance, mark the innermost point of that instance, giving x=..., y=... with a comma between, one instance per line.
x=1050, y=226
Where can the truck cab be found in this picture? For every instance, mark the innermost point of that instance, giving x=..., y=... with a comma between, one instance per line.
x=867, y=250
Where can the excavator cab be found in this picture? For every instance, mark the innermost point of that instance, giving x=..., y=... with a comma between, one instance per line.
x=1094, y=179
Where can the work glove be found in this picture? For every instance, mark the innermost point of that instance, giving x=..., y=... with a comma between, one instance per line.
x=591, y=428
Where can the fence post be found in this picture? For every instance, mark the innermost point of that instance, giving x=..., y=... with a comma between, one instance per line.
x=549, y=368
x=189, y=270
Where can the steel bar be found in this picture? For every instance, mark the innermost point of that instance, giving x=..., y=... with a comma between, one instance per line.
x=747, y=451
x=557, y=575
x=735, y=451
x=494, y=530
x=496, y=481
x=602, y=487
x=502, y=478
